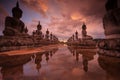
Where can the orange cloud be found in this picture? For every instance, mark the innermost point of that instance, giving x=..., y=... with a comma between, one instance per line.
x=43, y=5
x=67, y=16
x=39, y=6
x=78, y=16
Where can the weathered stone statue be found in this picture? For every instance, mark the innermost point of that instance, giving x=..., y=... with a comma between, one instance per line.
x=84, y=33
x=15, y=33
x=111, y=21
x=111, y=25
x=26, y=30
x=13, y=25
x=76, y=35
x=73, y=37
x=111, y=4
x=47, y=35
x=51, y=36
x=38, y=31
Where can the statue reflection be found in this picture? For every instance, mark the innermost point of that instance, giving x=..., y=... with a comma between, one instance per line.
x=77, y=55
x=47, y=55
x=72, y=50
x=87, y=55
x=38, y=60
x=54, y=50
x=33, y=56
x=51, y=54
x=111, y=66
x=38, y=57
x=12, y=66
x=85, y=59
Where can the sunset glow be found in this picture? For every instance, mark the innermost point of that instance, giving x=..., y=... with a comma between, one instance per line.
x=61, y=17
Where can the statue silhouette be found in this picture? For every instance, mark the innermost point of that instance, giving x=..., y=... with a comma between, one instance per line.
x=47, y=56
x=111, y=4
x=38, y=60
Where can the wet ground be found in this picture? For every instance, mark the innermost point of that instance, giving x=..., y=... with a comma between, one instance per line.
x=62, y=63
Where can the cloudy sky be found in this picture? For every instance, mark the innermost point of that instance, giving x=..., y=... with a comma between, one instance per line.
x=61, y=17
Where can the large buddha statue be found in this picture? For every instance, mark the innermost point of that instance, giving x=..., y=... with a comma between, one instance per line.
x=51, y=36
x=38, y=31
x=111, y=24
x=76, y=35
x=111, y=4
x=13, y=25
x=84, y=33
x=111, y=20
x=47, y=35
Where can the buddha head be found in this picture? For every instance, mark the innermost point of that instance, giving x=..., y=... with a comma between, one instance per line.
x=39, y=27
x=84, y=26
x=17, y=12
x=47, y=32
x=76, y=32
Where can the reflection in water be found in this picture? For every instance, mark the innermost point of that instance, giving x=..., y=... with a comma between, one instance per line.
x=51, y=54
x=58, y=64
x=12, y=73
x=47, y=56
x=87, y=55
x=12, y=66
x=38, y=60
x=111, y=65
x=85, y=65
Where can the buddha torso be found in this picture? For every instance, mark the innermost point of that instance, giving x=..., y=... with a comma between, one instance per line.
x=84, y=33
x=13, y=25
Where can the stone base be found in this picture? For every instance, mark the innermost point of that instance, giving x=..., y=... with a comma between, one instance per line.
x=10, y=48
x=113, y=36
x=86, y=44
x=111, y=53
x=109, y=47
x=109, y=44
x=8, y=43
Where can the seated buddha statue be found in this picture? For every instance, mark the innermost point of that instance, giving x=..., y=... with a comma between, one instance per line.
x=13, y=25
x=84, y=33
x=38, y=31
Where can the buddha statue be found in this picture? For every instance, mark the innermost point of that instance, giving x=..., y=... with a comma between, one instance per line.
x=13, y=25
x=111, y=26
x=26, y=30
x=38, y=31
x=47, y=35
x=111, y=4
x=51, y=36
x=84, y=33
x=73, y=37
x=76, y=35
x=111, y=20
